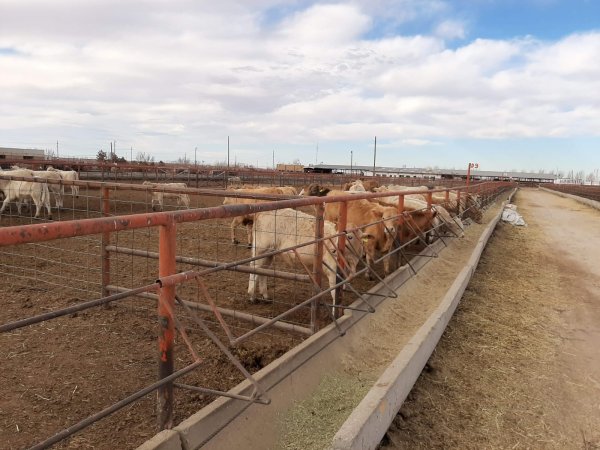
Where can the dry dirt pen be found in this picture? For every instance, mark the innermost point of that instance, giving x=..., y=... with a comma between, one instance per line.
x=58, y=372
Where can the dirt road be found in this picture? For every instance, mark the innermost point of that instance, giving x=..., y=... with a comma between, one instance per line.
x=518, y=366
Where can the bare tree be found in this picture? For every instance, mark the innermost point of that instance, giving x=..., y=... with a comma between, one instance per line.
x=591, y=177
x=144, y=158
x=580, y=175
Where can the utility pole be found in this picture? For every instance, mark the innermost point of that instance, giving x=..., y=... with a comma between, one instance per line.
x=57, y=149
x=374, y=155
x=350, y=162
x=317, y=154
x=273, y=159
x=131, y=155
x=227, y=174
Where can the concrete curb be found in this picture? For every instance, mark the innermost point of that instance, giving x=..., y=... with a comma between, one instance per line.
x=369, y=421
x=586, y=201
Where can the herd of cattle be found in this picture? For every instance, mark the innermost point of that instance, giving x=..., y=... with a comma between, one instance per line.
x=22, y=192
x=372, y=227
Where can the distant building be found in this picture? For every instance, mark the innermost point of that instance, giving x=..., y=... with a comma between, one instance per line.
x=21, y=153
x=430, y=174
x=290, y=167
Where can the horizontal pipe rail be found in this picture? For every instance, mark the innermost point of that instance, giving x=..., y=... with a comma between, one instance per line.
x=207, y=263
x=221, y=393
x=76, y=308
x=224, y=311
x=71, y=228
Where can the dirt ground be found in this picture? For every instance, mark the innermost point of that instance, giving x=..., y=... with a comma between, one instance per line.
x=518, y=365
x=58, y=372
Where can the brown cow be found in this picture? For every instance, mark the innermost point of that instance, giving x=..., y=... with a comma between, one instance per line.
x=379, y=223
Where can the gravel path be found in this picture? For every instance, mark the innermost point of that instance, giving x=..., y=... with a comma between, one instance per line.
x=518, y=366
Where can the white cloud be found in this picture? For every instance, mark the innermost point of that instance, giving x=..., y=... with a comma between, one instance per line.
x=164, y=74
x=451, y=29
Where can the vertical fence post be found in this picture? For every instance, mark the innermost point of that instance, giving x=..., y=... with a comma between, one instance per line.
x=166, y=332
x=458, y=205
x=105, y=198
x=317, y=265
x=400, y=230
x=341, y=246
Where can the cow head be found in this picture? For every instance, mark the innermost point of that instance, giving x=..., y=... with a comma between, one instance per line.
x=314, y=190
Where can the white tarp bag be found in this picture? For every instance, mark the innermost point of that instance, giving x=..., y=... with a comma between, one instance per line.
x=510, y=215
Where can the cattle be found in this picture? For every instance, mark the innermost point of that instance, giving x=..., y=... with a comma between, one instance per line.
x=415, y=203
x=56, y=189
x=379, y=222
x=469, y=205
x=361, y=186
x=158, y=197
x=69, y=175
x=285, y=228
x=314, y=190
x=248, y=219
x=18, y=191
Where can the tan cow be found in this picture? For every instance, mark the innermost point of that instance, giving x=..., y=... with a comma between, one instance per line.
x=248, y=219
x=158, y=197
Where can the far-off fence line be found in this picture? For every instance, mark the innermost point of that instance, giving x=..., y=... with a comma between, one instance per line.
x=109, y=247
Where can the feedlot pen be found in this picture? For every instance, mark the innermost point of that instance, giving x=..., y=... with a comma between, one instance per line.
x=58, y=372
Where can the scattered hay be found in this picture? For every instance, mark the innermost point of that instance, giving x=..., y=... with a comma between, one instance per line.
x=492, y=376
x=312, y=423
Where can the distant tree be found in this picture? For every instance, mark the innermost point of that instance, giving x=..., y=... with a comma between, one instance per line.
x=296, y=161
x=101, y=156
x=560, y=174
x=183, y=160
x=591, y=177
x=144, y=158
x=580, y=175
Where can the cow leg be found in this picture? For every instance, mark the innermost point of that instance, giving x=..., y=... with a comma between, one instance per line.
x=249, y=232
x=262, y=285
x=38, y=208
x=234, y=223
x=253, y=277
x=4, y=204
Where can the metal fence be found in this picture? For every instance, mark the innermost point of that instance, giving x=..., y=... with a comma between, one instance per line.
x=591, y=192
x=109, y=248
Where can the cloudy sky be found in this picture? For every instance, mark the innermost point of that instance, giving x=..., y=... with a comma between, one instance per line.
x=511, y=84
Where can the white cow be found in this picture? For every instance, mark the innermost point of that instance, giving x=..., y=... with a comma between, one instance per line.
x=159, y=197
x=276, y=230
x=57, y=189
x=18, y=191
x=70, y=175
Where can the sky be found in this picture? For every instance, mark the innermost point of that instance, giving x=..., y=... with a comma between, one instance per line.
x=510, y=84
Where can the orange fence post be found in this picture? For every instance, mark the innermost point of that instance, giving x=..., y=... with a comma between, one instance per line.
x=166, y=305
x=317, y=264
x=104, y=243
x=341, y=246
